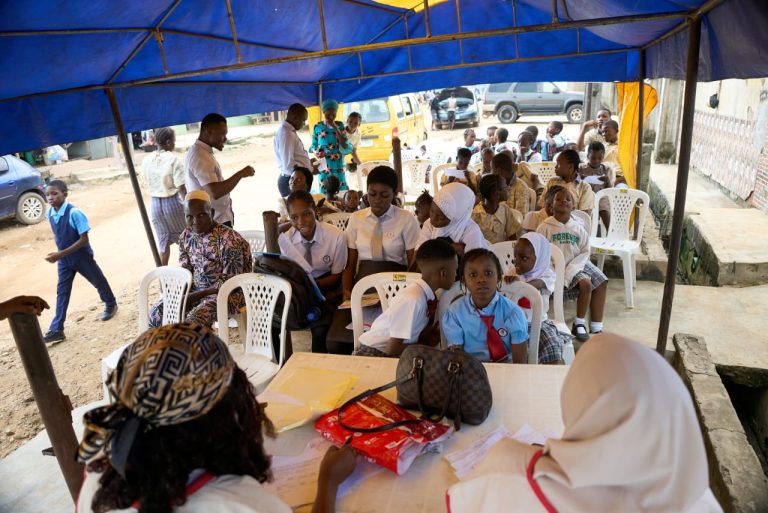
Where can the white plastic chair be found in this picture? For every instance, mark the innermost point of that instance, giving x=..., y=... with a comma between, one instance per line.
x=387, y=286
x=444, y=303
x=175, y=283
x=337, y=219
x=261, y=292
x=544, y=170
x=584, y=218
x=415, y=176
x=558, y=262
x=617, y=241
x=476, y=168
x=256, y=240
x=437, y=175
x=364, y=168
x=515, y=291
x=505, y=252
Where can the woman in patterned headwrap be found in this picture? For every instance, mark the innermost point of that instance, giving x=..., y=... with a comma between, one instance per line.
x=185, y=434
x=330, y=142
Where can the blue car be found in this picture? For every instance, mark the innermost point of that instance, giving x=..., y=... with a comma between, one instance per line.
x=22, y=191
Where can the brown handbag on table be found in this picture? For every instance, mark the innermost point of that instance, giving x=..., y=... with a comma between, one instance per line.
x=439, y=384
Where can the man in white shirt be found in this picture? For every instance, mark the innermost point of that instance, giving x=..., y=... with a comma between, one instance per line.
x=204, y=173
x=289, y=150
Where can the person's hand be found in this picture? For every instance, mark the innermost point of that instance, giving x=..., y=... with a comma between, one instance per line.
x=247, y=171
x=337, y=465
x=53, y=257
x=347, y=295
x=592, y=123
x=32, y=305
x=606, y=180
x=459, y=248
x=511, y=278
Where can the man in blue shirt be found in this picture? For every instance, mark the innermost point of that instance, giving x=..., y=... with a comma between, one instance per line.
x=70, y=231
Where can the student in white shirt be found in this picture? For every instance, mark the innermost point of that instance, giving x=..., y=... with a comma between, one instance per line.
x=410, y=317
x=289, y=150
x=380, y=238
x=204, y=173
x=450, y=218
x=321, y=250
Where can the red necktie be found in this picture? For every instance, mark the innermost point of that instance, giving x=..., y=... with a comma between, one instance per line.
x=493, y=339
x=431, y=311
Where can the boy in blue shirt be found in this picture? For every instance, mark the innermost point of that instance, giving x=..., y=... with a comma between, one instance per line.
x=70, y=231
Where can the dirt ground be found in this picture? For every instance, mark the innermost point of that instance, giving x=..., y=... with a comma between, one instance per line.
x=121, y=249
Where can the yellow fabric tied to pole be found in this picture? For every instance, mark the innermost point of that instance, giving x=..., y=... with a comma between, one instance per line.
x=629, y=108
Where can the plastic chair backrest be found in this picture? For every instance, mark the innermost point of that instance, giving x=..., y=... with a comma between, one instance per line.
x=366, y=167
x=515, y=291
x=175, y=283
x=337, y=219
x=476, y=168
x=584, y=218
x=446, y=300
x=622, y=201
x=261, y=292
x=558, y=262
x=256, y=239
x=387, y=286
x=437, y=175
x=545, y=170
x=415, y=176
x=505, y=252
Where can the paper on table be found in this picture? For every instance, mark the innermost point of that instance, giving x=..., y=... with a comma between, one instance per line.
x=465, y=460
x=366, y=300
x=295, y=477
x=369, y=315
x=305, y=393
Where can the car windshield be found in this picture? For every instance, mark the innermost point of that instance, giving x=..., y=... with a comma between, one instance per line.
x=372, y=111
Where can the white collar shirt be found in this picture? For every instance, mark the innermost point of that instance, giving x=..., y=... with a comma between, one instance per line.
x=164, y=173
x=406, y=317
x=400, y=231
x=328, y=249
x=289, y=150
x=203, y=169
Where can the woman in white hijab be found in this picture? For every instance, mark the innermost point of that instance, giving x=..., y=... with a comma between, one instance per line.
x=450, y=216
x=631, y=444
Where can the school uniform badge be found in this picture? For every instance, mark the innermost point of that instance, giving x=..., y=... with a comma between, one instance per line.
x=503, y=332
x=327, y=259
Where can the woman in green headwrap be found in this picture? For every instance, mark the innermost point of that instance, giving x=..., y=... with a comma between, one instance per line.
x=330, y=142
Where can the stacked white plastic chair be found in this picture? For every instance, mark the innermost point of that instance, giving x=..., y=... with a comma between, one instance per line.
x=618, y=241
x=437, y=175
x=256, y=240
x=517, y=290
x=387, y=286
x=175, y=283
x=338, y=219
x=558, y=262
x=505, y=252
x=545, y=170
x=261, y=293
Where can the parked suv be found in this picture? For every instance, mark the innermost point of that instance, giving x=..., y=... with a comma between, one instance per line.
x=22, y=191
x=511, y=100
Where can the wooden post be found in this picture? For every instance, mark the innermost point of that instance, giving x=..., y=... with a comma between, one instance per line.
x=678, y=214
x=270, y=231
x=397, y=161
x=55, y=408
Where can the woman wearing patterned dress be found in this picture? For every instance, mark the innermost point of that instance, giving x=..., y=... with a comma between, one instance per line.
x=330, y=142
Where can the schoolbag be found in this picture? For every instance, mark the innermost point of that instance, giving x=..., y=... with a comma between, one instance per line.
x=306, y=300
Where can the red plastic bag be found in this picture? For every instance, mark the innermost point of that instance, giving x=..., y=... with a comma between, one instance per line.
x=394, y=449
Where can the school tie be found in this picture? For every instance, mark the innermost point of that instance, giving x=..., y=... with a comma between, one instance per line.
x=431, y=311
x=493, y=339
x=377, y=242
x=308, y=251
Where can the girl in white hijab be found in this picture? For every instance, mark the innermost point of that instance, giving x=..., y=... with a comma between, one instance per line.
x=450, y=216
x=631, y=444
x=533, y=265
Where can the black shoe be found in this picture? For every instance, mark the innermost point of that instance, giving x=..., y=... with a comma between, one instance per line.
x=54, y=337
x=108, y=313
x=580, y=332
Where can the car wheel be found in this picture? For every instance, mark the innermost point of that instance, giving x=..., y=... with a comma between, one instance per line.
x=575, y=113
x=475, y=123
x=507, y=114
x=30, y=209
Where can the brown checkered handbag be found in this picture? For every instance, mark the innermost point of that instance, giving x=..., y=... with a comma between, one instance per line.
x=439, y=384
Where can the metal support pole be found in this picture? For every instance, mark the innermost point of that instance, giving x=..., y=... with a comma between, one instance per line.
x=132, y=174
x=55, y=408
x=322, y=23
x=587, y=104
x=691, y=76
x=234, y=32
x=320, y=98
x=426, y=18
x=640, y=120
x=270, y=231
x=397, y=161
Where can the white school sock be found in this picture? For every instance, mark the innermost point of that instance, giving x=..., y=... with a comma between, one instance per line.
x=595, y=327
x=579, y=321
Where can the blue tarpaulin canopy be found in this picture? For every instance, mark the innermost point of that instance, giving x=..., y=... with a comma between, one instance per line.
x=173, y=61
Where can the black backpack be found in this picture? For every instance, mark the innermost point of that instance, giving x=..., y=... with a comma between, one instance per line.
x=306, y=302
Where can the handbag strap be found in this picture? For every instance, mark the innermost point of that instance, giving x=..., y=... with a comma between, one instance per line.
x=369, y=393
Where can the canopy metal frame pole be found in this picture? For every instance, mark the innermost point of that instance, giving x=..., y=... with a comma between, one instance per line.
x=132, y=174
x=322, y=24
x=234, y=32
x=640, y=121
x=689, y=99
x=426, y=19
